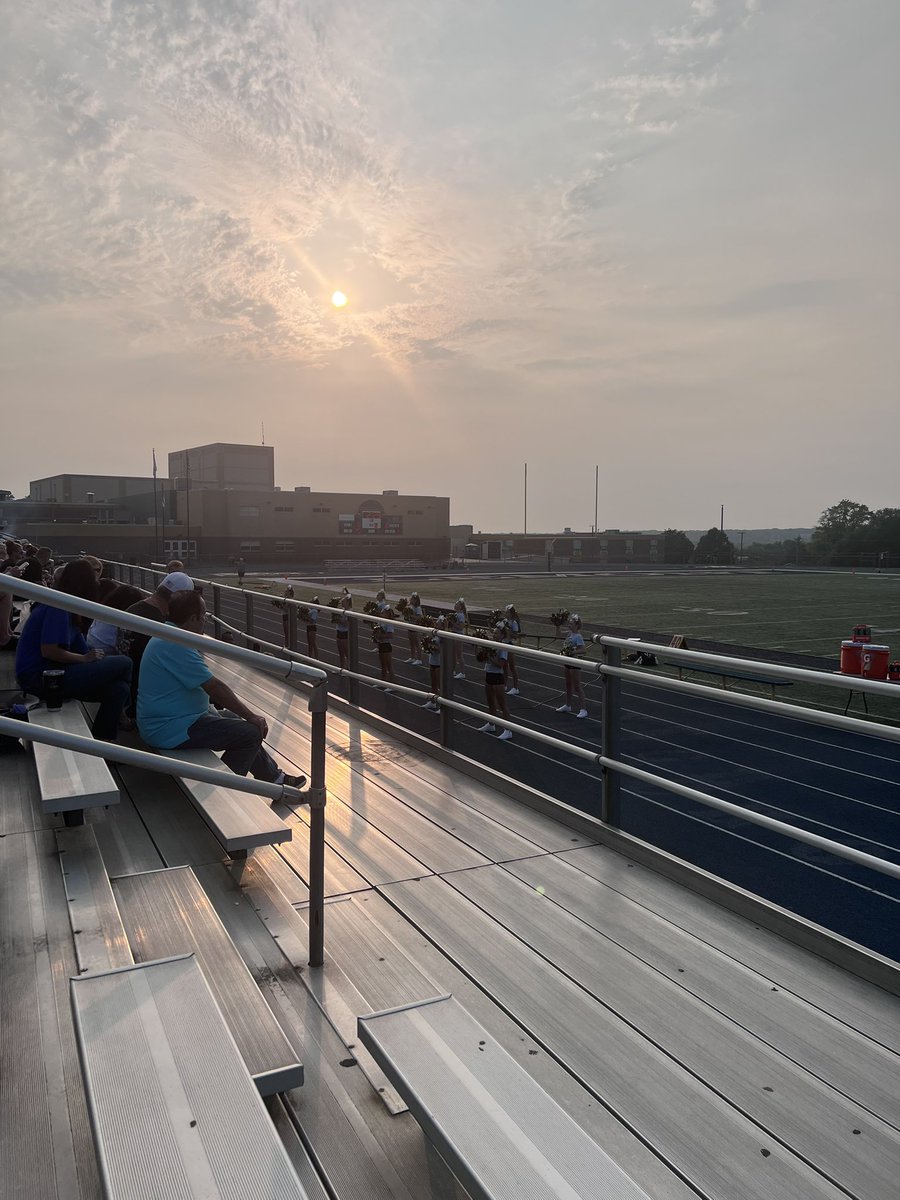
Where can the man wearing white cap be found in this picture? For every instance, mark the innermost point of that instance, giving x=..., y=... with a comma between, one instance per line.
x=155, y=608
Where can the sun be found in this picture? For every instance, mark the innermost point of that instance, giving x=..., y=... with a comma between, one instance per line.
x=338, y=299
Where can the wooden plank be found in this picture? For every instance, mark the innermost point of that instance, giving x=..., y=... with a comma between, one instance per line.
x=836, y=1054
x=100, y=941
x=869, y=1009
x=696, y=1132
x=167, y=913
x=238, y=820
x=173, y=1109
x=499, y=1130
x=68, y=780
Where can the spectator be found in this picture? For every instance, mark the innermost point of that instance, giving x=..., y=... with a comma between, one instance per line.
x=174, y=564
x=241, y=570
x=104, y=635
x=52, y=640
x=176, y=690
x=384, y=640
x=154, y=608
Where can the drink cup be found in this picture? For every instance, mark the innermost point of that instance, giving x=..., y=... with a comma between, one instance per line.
x=53, y=689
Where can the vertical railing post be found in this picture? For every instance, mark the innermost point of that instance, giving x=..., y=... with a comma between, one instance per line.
x=447, y=681
x=217, y=608
x=318, y=707
x=612, y=737
x=131, y=574
x=292, y=625
x=248, y=613
x=353, y=689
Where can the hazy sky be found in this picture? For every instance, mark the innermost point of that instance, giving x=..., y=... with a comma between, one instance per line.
x=657, y=235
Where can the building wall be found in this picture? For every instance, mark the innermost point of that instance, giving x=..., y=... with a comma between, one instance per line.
x=224, y=465
x=611, y=545
x=74, y=489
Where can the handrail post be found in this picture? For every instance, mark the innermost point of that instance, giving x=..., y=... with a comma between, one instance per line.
x=353, y=690
x=217, y=608
x=248, y=614
x=131, y=574
x=447, y=681
x=318, y=707
x=292, y=626
x=612, y=736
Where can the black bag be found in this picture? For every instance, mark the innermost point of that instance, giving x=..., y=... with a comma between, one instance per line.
x=10, y=745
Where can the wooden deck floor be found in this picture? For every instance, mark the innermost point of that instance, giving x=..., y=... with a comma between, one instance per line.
x=706, y=1055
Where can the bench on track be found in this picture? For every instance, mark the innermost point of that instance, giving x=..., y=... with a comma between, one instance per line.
x=496, y=1128
x=173, y=1110
x=167, y=913
x=70, y=782
x=724, y=673
x=240, y=821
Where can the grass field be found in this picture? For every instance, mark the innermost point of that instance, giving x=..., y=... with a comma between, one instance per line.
x=809, y=614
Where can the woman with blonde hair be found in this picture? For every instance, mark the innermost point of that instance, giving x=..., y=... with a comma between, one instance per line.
x=458, y=623
x=573, y=647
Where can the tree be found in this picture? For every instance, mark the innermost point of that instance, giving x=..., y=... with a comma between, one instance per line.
x=677, y=546
x=715, y=547
x=841, y=531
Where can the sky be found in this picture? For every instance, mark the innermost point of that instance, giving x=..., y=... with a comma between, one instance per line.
x=654, y=236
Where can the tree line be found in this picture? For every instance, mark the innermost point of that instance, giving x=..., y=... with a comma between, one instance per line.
x=847, y=534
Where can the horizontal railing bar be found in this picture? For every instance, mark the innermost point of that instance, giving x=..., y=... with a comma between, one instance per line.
x=114, y=616
x=753, y=666
x=755, y=818
x=159, y=763
x=796, y=712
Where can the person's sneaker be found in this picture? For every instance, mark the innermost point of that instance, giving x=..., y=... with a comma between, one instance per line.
x=564, y=708
x=459, y=674
x=512, y=691
x=581, y=713
x=431, y=706
x=415, y=662
x=487, y=728
x=505, y=735
x=408, y=660
x=295, y=781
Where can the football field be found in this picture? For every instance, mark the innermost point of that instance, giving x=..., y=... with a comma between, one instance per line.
x=806, y=613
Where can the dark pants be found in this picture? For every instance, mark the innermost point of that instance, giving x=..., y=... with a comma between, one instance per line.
x=241, y=741
x=107, y=681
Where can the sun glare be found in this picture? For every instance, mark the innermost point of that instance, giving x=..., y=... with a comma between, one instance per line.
x=338, y=299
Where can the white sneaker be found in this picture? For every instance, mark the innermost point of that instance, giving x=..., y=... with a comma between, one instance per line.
x=431, y=706
x=409, y=660
x=582, y=713
x=564, y=708
x=512, y=691
x=415, y=662
x=505, y=735
x=487, y=728
x=459, y=674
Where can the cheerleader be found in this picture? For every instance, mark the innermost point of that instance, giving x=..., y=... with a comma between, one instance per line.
x=285, y=621
x=459, y=621
x=513, y=636
x=381, y=600
x=342, y=630
x=494, y=659
x=312, y=629
x=433, y=644
x=384, y=634
x=415, y=613
x=574, y=646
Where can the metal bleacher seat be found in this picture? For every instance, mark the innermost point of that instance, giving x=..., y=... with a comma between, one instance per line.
x=173, y=1109
x=496, y=1128
x=70, y=781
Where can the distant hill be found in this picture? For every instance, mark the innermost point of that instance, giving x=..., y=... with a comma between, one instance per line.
x=763, y=536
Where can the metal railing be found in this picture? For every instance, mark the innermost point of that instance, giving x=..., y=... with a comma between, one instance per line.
x=314, y=679
x=612, y=671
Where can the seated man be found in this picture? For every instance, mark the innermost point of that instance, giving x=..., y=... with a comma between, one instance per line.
x=176, y=689
x=155, y=608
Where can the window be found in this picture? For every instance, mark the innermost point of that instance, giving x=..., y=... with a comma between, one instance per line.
x=250, y=545
x=284, y=508
x=415, y=512
x=321, y=509
x=248, y=510
x=284, y=546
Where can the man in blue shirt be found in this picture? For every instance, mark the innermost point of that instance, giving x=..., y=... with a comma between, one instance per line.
x=175, y=692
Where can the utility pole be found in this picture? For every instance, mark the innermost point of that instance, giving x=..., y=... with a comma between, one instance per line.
x=525, y=513
x=596, y=494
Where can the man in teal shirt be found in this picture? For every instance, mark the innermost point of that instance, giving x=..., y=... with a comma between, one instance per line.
x=174, y=694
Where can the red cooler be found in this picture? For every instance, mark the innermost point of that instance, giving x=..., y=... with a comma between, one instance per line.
x=875, y=661
x=851, y=657
x=894, y=672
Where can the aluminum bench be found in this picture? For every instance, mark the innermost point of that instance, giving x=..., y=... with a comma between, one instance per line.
x=70, y=782
x=173, y=1110
x=166, y=913
x=240, y=821
x=499, y=1132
